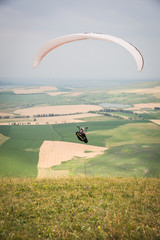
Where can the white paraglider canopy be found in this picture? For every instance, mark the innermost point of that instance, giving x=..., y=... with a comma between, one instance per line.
x=56, y=42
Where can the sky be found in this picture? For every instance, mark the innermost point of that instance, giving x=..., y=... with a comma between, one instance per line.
x=25, y=25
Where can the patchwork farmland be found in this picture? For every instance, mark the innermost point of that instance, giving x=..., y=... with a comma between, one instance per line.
x=80, y=192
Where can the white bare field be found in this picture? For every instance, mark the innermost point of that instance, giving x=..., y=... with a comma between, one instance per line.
x=53, y=153
x=63, y=109
x=33, y=90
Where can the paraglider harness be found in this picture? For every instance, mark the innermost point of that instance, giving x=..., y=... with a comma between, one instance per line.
x=81, y=134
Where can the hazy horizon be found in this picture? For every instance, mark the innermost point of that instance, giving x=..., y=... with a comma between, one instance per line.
x=10, y=83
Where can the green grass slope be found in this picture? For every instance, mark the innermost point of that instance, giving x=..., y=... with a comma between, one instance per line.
x=80, y=208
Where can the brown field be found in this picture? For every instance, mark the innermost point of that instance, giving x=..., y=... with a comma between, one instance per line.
x=122, y=116
x=140, y=106
x=63, y=109
x=33, y=90
x=74, y=94
x=48, y=120
x=141, y=111
x=56, y=93
x=157, y=121
x=3, y=138
x=154, y=90
x=64, y=119
x=3, y=114
x=50, y=173
x=53, y=153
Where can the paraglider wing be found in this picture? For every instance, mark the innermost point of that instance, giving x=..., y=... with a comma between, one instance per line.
x=44, y=50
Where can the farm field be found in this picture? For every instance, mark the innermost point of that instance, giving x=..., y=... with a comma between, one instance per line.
x=20, y=153
x=153, y=90
x=131, y=134
x=31, y=90
x=60, y=110
x=51, y=153
x=133, y=149
x=10, y=101
x=49, y=120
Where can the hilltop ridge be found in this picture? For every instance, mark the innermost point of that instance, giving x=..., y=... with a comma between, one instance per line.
x=80, y=208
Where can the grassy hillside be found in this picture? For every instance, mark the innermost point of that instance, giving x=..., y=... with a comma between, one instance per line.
x=80, y=208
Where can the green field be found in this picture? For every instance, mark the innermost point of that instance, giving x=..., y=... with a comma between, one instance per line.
x=133, y=149
x=20, y=153
x=80, y=208
x=133, y=144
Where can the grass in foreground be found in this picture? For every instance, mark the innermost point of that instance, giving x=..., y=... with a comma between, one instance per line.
x=80, y=208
